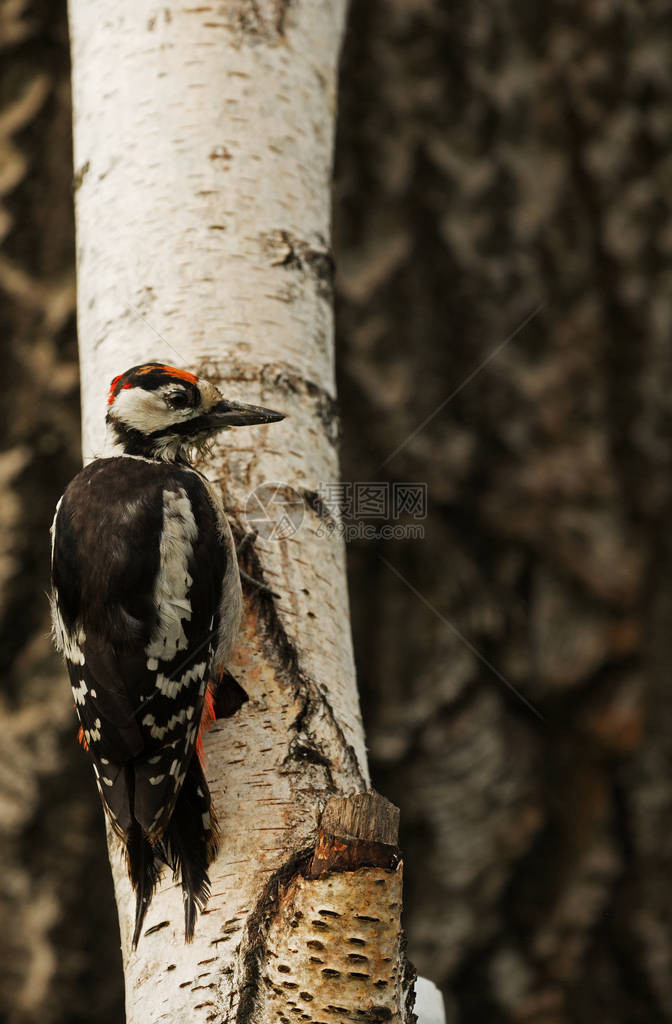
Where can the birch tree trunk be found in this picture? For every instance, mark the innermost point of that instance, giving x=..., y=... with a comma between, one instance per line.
x=203, y=148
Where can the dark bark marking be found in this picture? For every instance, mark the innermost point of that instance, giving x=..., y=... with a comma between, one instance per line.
x=220, y=153
x=258, y=924
x=380, y=1013
x=315, y=700
x=80, y=175
x=300, y=750
x=281, y=9
x=283, y=376
x=283, y=656
x=258, y=26
x=313, y=261
x=315, y=503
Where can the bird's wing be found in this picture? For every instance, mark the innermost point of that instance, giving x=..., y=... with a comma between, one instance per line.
x=137, y=571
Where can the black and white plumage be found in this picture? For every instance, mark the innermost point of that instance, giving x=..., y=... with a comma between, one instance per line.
x=146, y=603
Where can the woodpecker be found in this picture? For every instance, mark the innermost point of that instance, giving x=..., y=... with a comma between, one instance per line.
x=146, y=604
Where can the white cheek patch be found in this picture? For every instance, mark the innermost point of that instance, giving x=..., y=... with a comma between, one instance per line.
x=147, y=411
x=143, y=410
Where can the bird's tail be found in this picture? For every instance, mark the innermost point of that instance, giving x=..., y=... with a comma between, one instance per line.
x=143, y=870
x=190, y=843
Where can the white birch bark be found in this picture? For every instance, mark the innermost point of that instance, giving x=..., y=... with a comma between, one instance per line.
x=203, y=148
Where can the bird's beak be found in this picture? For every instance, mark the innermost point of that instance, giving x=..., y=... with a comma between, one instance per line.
x=238, y=414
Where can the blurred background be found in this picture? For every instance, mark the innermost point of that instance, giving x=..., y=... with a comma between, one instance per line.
x=491, y=159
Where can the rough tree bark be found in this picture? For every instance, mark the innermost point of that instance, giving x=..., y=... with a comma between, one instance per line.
x=203, y=145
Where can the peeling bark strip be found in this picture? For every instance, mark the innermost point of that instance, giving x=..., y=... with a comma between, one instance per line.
x=203, y=239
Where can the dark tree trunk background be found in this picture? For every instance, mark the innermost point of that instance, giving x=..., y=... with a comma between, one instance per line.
x=490, y=158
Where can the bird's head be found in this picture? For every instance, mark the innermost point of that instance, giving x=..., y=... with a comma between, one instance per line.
x=161, y=412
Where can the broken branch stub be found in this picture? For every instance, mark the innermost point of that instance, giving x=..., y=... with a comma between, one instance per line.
x=335, y=951
x=356, y=831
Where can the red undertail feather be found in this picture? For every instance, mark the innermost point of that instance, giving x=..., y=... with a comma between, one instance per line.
x=207, y=718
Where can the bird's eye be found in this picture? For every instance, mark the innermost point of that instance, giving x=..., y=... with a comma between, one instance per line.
x=178, y=400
